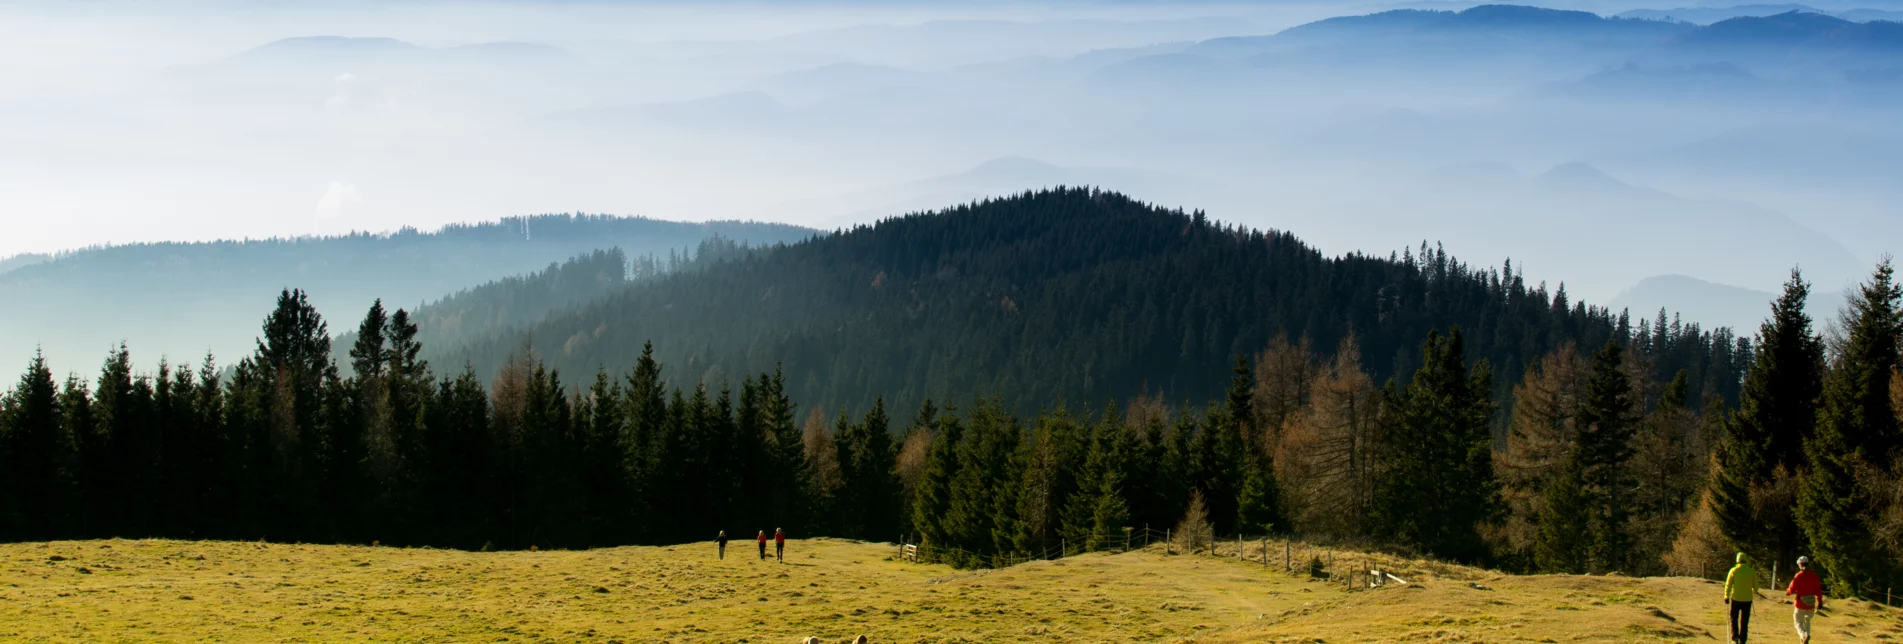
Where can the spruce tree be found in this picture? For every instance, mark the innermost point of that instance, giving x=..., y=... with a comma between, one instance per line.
x=1603, y=452
x=1566, y=522
x=1767, y=437
x=1857, y=429
x=1438, y=485
x=33, y=456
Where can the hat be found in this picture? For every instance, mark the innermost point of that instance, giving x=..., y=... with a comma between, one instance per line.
x=1803, y=561
x=1741, y=557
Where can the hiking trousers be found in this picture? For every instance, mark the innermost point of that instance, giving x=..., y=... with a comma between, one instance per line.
x=763, y=551
x=1740, y=622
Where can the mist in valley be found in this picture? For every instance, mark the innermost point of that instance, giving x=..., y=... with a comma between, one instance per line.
x=1648, y=162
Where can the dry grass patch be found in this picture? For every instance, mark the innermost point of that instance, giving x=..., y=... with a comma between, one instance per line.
x=176, y=591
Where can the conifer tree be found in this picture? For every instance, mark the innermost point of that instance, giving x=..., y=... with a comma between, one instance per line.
x=1438, y=485
x=33, y=456
x=1566, y=522
x=1767, y=438
x=1857, y=429
x=1603, y=452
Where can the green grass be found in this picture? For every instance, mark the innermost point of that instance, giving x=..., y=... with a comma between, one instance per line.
x=178, y=591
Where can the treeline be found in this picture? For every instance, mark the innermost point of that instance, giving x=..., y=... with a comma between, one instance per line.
x=1603, y=469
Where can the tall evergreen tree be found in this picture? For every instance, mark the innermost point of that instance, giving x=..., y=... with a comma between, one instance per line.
x=34, y=457
x=1438, y=485
x=1603, y=452
x=1769, y=434
x=1857, y=429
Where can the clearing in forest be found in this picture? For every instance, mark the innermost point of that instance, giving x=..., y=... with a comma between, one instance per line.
x=180, y=591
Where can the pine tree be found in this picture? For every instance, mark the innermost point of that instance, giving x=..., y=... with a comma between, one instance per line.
x=1767, y=437
x=1603, y=452
x=1857, y=429
x=1566, y=522
x=1438, y=484
x=33, y=456
x=932, y=499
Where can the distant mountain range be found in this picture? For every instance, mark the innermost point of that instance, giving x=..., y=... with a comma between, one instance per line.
x=190, y=298
x=1708, y=15
x=1698, y=300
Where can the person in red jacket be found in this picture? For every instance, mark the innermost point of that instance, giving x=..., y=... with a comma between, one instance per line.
x=779, y=545
x=762, y=541
x=1807, y=596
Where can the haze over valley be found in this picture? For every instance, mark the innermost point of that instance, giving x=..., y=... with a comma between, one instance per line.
x=1583, y=145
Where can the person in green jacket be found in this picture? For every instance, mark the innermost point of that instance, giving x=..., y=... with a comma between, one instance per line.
x=1741, y=586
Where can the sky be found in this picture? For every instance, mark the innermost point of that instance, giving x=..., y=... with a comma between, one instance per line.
x=127, y=122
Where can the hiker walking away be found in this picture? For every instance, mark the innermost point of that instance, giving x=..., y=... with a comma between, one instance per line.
x=1807, y=596
x=779, y=545
x=1741, y=586
x=722, y=540
x=762, y=540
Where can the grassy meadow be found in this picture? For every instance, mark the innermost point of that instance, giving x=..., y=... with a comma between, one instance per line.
x=184, y=591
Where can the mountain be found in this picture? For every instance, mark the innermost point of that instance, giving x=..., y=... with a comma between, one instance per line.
x=1708, y=15
x=1696, y=299
x=1485, y=28
x=1069, y=294
x=194, y=297
x=1795, y=38
x=23, y=259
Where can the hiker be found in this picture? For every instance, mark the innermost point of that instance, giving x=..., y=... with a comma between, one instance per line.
x=1741, y=586
x=1807, y=596
x=762, y=540
x=779, y=545
x=722, y=540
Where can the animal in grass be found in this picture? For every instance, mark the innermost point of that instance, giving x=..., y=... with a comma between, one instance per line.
x=810, y=640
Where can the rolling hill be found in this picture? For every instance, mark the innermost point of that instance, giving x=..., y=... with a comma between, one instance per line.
x=1061, y=295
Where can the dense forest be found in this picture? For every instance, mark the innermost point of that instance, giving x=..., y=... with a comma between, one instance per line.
x=75, y=304
x=1584, y=461
x=1078, y=296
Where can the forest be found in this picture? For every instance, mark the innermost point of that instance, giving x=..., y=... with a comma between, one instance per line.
x=1606, y=451
x=1073, y=295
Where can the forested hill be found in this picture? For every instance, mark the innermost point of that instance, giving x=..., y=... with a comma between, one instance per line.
x=182, y=299
x=1068, y=295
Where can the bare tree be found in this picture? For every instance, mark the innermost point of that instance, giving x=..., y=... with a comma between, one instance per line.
x=1325, y=458
x=1283, y=374
x=1195, y=531
x=1541, y=434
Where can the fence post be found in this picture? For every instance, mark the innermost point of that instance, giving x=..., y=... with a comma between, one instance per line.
x=1168, y=547
x=1288, y=556
x=1265, y=551
x=1126, y=539
x=1774, y=575
x=1239, y=545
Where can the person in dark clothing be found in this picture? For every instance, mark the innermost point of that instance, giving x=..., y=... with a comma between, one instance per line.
x=762, y=540
x=779, y=545
x=722, y=540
